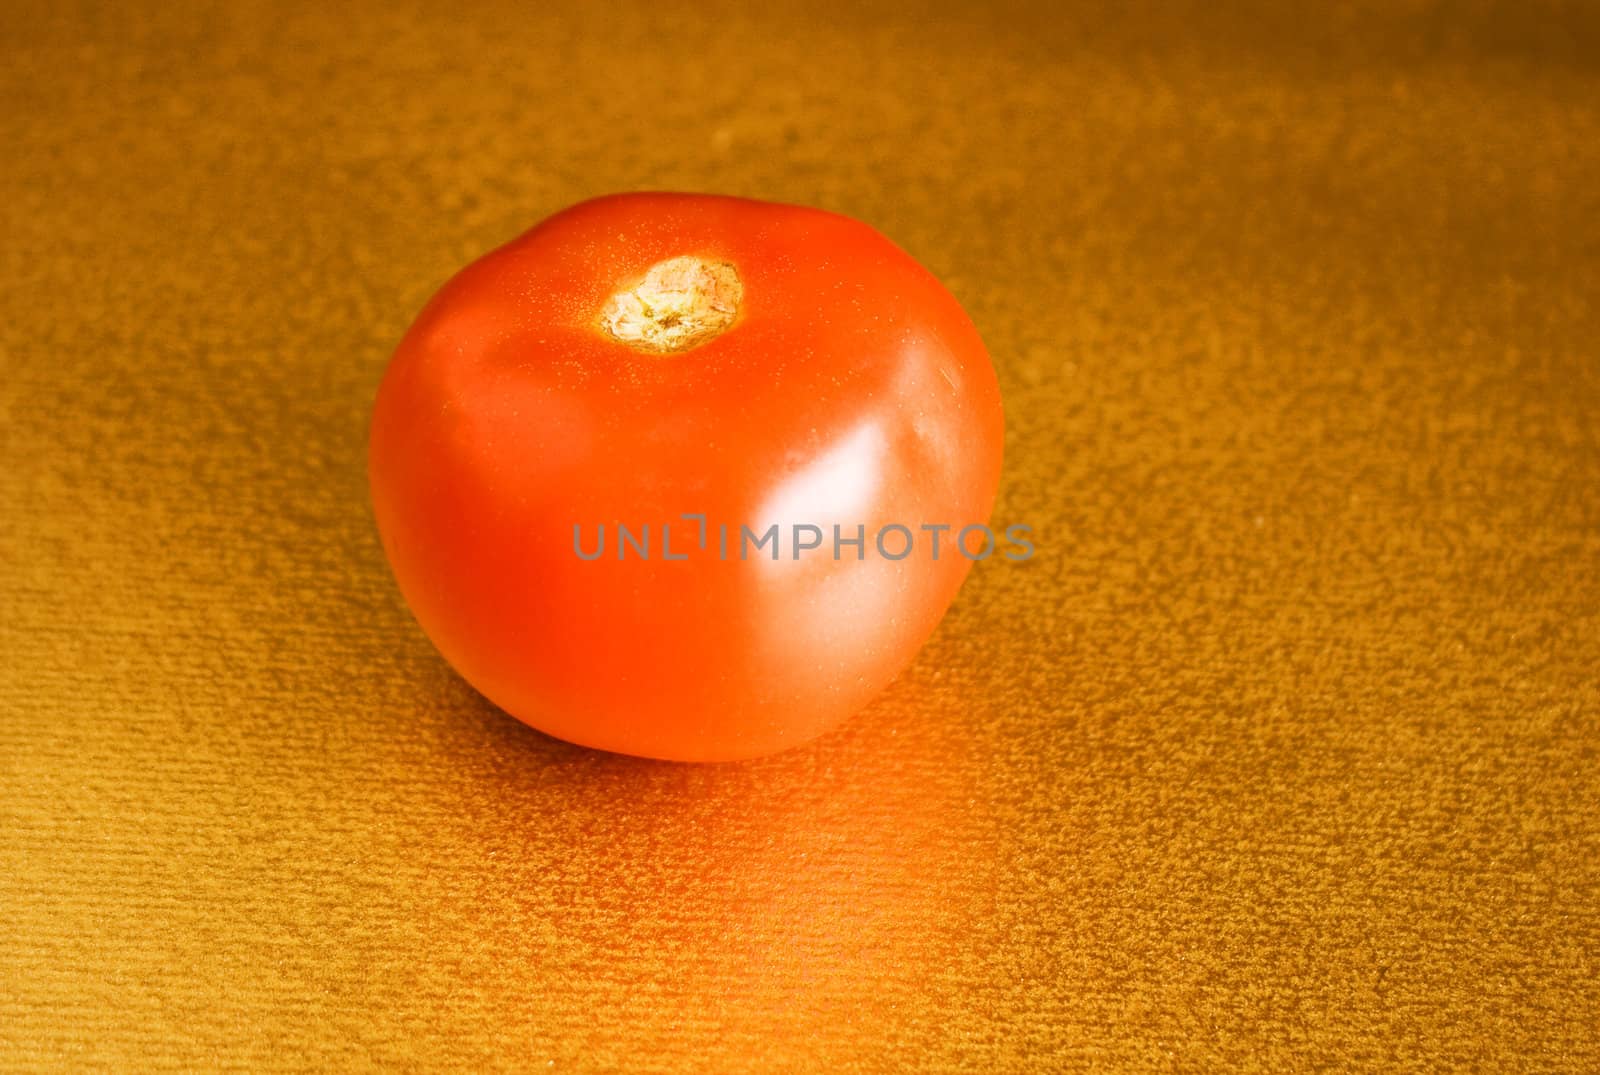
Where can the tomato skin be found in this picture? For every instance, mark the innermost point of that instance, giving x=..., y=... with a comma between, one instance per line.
x=851, y=389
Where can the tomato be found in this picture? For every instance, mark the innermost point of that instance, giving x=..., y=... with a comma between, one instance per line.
x=581, y=440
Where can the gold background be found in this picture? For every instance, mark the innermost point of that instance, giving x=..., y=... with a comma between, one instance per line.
x=1280, y=754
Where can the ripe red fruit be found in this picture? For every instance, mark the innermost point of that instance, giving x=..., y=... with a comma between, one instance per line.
x=643, y=356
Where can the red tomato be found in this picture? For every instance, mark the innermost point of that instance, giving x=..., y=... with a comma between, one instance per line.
x=641, y=357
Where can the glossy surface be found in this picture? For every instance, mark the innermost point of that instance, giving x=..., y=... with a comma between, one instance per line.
x=1279, y=755
x=513, y=439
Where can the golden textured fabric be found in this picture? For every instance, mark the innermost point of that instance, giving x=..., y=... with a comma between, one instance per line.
x=1281, y=754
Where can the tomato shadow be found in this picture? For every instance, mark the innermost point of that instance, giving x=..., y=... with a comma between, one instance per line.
x=822, y=882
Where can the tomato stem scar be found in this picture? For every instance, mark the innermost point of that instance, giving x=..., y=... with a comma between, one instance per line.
x=680, y=303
